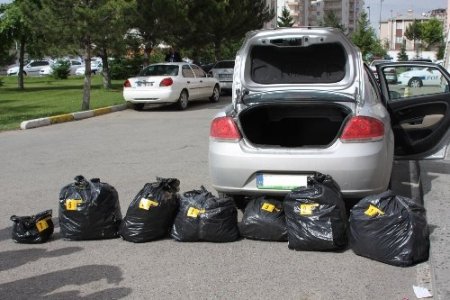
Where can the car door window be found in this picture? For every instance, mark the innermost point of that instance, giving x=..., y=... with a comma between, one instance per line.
x=187, y=72
x=409, y=82
x=197, y=71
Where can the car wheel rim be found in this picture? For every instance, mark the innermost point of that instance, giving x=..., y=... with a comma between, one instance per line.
x=183, y=100
x=216, y=94
x=415, y=83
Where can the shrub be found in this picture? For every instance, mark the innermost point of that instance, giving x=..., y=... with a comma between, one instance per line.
x=61, y=70
x=123, y=68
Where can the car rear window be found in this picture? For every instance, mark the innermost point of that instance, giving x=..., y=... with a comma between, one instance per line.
x=224, y=65
x=160, y=70
x=324, y=63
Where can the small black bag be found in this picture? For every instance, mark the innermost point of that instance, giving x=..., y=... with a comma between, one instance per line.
x=33, y=229
x=204, y=217
x=89, y=210
x=151, y=213
x=390, y=228
x=264, y=219
x=316, y=216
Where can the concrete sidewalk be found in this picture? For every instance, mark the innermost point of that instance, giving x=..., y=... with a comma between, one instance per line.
x=435, y=182
x=71, y=116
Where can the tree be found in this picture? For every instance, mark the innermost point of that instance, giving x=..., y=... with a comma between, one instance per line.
x=285, y=20
x=402, y=56
x=365, y=38
x=89, y=25
x=414, y=33
x=157, y=21
x=14, y=28
x=432, y=33
x=331, y=20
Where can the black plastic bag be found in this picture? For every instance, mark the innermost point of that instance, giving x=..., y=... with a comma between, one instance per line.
x=89, y=210
x=204, y=217
x=151, y=213
x=390, y=228
x=264, y=219
x=316, y=216
x=33, y=229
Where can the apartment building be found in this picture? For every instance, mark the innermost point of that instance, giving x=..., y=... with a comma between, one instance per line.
x=392, y=31
x=313, y=12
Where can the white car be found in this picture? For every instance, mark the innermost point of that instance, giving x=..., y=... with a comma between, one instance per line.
x=48, y=70
x=166, y=83
x=32, y=68
x=96, y=67
x=420, y=77
x=223, y=71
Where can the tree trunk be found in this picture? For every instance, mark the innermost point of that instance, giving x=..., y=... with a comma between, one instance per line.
x=87, y=75
x=105, y=69
x=217, y=46
x=21, y=63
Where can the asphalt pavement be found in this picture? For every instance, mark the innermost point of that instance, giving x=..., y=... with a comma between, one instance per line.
x=127, y=149
x=435, y=187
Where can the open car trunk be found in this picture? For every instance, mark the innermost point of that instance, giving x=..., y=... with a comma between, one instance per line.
x=293, y=125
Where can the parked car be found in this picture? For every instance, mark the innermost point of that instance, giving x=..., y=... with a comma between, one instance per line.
x=32, y=68
x=48, y=70
x=223, y=71
x=170, y=83
x=391, y=76
x=303, y=101
x=96, y=67
x=420, y=76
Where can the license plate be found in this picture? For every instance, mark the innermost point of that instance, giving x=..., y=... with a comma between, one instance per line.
x=280, y=182
x=225, y=76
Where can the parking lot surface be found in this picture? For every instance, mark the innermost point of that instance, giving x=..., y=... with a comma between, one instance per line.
x=127, y=149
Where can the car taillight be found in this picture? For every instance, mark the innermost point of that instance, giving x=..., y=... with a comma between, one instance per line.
x=224, y=128
x=166, y=82
x=127, y=83
x=361, y=129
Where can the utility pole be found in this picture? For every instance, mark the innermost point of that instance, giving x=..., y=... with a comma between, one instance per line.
x=381, y=8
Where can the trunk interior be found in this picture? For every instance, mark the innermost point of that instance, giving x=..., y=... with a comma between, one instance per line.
x=293, y=125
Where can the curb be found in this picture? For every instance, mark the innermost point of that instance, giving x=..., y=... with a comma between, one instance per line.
x=71, y=116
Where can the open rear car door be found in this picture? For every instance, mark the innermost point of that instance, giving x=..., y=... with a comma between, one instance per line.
x=418, y=99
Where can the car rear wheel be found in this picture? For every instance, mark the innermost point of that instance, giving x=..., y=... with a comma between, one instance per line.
x=415, y=82
x=215, y=95
x=183, y=100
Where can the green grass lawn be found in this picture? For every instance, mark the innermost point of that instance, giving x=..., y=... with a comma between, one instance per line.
x=45, y=96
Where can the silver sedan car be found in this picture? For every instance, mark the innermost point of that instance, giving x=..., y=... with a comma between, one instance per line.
x=303, y=101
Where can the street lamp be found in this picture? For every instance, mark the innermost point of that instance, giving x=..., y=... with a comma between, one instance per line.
x=368, y=8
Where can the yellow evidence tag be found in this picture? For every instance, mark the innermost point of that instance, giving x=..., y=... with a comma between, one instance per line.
x=72, y=204
x=269, y=207
x=307, y=209
x=373, y=211
x=42, y=225
x=195, y=212
x=147, y=203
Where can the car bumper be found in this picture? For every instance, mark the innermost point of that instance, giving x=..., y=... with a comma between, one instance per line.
x=160, y=96
x=225, y=85
x=360, y=169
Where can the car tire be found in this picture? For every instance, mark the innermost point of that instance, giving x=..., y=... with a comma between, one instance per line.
x=138, y=106
x=215, y=94
x=183, y=100
x=415, y=82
